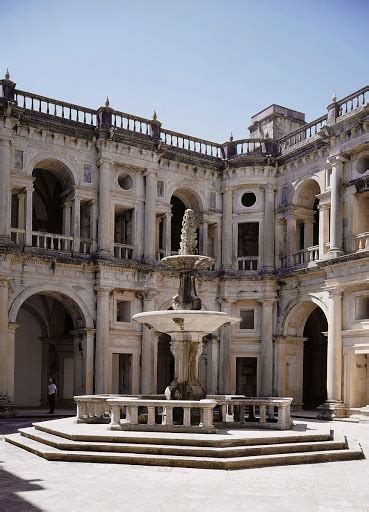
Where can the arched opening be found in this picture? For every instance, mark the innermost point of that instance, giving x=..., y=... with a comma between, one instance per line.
x=307, y=221
x=180, y=201
x=165, y=370
x=315, y=359
x=48, y=344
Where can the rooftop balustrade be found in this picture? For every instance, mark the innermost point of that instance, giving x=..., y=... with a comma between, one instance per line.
x=151, y=128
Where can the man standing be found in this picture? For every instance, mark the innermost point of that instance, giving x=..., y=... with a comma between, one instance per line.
x=51, y=394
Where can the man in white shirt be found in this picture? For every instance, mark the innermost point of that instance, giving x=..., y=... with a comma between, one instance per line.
x=51, y=394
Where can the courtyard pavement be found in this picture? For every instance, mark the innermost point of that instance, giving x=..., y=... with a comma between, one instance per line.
x=29, y=483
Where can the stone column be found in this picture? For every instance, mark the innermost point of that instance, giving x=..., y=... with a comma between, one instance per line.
x=93, y=225
x=148, y=384
x=212, y=367
x=67, y=208
x=135, y=373
x=102, y=340
x=227, y=228
x=218, y=246
x=268, y=231
x=5, y=195
x=89, y=351
x=168, y=233
x=335, y=247
x=266, y=365
x=349, y=378
x=104, y=245
x=29, y=213
x=22, y=210
x=323, y=229
x=279, y=249
x=225, y=352
x=76, y=223
x=4, y=329
x=150, y=215
x=44, y=369
x=354, y=222
x=308, y=233
x=333, y=405
x=291, y=238
x=203, y=236
x=11, y=360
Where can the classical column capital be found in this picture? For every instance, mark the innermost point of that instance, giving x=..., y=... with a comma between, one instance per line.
x=146, y=294
x=102, y=290
x=228, y=190
x=12, y=327
x=335, y=292
x=268, y=187
x=268, y=301
x=334, y=159
x=4, y=282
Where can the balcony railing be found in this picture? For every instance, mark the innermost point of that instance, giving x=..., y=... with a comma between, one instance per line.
x=353, y=101
x=361, y=242
x=44, y=105
x=188, y=143
x=52, y=241
x=123, y=251
x=248, y=263
x=18, y=236
x=85, y=246
x=160, y=254
x=304, y=133
x=306, y=255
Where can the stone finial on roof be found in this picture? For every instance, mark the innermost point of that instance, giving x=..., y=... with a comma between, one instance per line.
x=334, y=98
x=154, y=116
x=7, y=74
x=231, y=137
x=107, y=103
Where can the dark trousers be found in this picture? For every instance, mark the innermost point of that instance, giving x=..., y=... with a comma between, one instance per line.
x=51, y=399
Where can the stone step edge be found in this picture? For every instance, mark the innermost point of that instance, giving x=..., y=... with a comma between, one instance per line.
x=184, y=441
x=53, y=454
x=218, y=452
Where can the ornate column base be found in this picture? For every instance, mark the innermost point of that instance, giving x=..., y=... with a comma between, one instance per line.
x=335, y=253
x=332, y=409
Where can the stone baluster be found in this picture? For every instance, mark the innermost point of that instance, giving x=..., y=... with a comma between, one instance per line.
x=263, y=415
x=150, y=215
x=268, y=231
x=167, y=416
x=227, y=230
x=207, y=417
x=151, y=415
x=102, y=339
x=187, y=416
x=104, y=246
x=114, y=417
x=5, y=193
x=266, y=347
x=336, y=220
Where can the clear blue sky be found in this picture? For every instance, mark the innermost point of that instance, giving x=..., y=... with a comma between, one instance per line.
x=205, y=66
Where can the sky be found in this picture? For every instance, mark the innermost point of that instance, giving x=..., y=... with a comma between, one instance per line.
x=205, y=66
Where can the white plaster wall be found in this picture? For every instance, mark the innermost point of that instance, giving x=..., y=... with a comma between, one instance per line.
x=27, y=361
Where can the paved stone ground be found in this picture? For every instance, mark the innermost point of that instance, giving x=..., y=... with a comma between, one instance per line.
x=29, y=483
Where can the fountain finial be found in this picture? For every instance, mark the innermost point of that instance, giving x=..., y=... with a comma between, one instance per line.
x=188, y=235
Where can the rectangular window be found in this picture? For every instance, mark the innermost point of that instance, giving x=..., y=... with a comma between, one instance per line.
x=123, y=311
x=248, y=239
x=362, y=308
x=247, y=319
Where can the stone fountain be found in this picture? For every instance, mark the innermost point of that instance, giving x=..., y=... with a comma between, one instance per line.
x=186, y=324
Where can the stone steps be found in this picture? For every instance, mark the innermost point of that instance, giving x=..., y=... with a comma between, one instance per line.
x=54, y=447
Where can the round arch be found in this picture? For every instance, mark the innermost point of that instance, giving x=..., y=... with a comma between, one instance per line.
x=61, y=167
x=293, y=322
x=190, y=197
x=75, y=305
x=305, y=192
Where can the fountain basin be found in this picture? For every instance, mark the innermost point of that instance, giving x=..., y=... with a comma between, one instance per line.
x=185, y=321
x=188, y=262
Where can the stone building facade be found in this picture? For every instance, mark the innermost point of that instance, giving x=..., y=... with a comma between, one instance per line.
x=92, y=200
